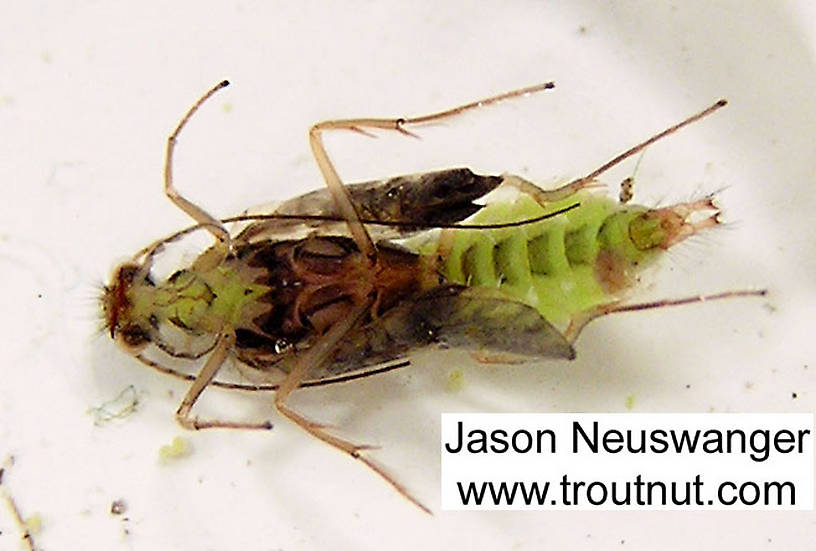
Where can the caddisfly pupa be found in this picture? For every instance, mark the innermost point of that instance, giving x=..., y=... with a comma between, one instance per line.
x=347, y=281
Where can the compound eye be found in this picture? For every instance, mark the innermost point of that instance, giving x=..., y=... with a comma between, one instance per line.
x=133, y=337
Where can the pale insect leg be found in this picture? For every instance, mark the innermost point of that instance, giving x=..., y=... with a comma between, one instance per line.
x=580, y=320
x=336, y=187
x=314, y=357
x=213, y=225
x=216, y=359
x=544, y=196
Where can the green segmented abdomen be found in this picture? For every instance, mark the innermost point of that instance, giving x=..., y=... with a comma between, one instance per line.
x=555, y=265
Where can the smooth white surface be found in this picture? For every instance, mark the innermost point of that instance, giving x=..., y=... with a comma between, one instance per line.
x=89, y=92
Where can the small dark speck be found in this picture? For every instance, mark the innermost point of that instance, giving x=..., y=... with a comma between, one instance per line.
x=623, y=541
x=794, y=395
x=118, y=507
x=688, y=386
x=39, y=295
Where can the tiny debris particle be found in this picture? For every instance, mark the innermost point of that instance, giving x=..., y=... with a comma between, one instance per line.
x=33, y=523
x=794, y=395
x=456, y=380
x=118, y=507
x=177, y=449
x=629, y=402
x=124, y=404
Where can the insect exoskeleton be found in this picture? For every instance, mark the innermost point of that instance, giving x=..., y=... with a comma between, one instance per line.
x=337, y=284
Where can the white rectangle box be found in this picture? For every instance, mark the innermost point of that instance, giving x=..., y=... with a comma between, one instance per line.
x=626, y=461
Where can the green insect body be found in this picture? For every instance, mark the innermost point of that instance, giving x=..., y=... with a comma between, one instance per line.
x=563, y=265
x=335, y=283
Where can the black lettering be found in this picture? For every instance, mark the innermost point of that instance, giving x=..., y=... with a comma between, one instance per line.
x=613, y=441
x=471, y=494
x=499, y=438
x=529, y=441
x=685, y=440
x=596, y=500
x=802, y=434
x=458, y=447
x=477, y=441
x=760, y=451
x=630, y=438
x=659, y=442
x=782, y=438
x=578, y=430
x=713, y=442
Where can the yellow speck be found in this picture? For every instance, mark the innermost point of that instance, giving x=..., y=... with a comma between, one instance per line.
x=227, y=107
x=456, y=380
x=176, y=449
x=629, y=402
x=33, y=524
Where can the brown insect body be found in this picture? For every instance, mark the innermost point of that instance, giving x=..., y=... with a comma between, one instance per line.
x=315, y=282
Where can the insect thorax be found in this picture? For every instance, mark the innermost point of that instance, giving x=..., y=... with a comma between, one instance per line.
x=272, y=295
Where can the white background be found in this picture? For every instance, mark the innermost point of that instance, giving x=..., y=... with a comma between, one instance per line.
x=90, y=90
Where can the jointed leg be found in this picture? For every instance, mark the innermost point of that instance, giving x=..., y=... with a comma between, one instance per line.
x=202, y=380
x=544, y=196
x=580, y=320
x=646, y=143
x=197, y=213
x=336, y=187
x=315, y=356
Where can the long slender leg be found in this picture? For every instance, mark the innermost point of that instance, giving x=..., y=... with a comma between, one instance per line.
x=316, y=356
x=339, y=192
x=583, y=318
x=202, y=380
x=545, y=196
x=198, y=214
x=646, y=143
